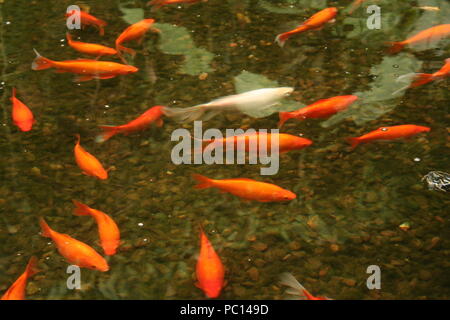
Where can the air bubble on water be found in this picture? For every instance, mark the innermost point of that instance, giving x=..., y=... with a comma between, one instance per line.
x=19, y=254
x=62, y=40
x=2, y=83
x=174, y=101
x=384, y=129
x=140, y=224
x=62, y=45
x=416, y=159
x=301, y=134
x=8, y=22
x=145, y=240
x=395, y=65
x=106, y=106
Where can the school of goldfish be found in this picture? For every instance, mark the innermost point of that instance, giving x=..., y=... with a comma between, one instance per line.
x=210, y=270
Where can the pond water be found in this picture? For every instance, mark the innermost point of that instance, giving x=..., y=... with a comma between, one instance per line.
x=350, y=202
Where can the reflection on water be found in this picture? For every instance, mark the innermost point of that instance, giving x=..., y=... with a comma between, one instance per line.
x=349, y=204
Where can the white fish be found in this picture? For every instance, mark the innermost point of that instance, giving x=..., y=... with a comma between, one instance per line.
x=248, y=101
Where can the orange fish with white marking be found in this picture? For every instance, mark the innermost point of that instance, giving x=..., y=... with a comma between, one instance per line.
x=152, y=115
x=17, y=289
x=91, y=49
x=89, y=20
x=316, y=22
x=134, y=32
x=75, y=252
x=86, y=69
x=209, y=270
x=89, y=164
x=107, y=229
x=247, y=189
x=389, y=133
x=432, y=34
x=21, y=114
x=321, y=109
x=296, y=290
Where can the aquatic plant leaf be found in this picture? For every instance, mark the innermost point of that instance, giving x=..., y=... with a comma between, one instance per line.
x=177, y=40
x=379, y=99
x=131, y=15
x=247, y=81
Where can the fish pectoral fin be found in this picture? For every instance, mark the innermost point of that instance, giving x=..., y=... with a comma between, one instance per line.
x=159, y=122
x=198, y=285
x=85, y=173
x=107, y=76
x=82, y=78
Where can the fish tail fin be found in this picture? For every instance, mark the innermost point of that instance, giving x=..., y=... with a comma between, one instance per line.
x=354, y=142
x=281, y=38
x=81, y=209
x=395, y=47
x=78, y=138
x=46, y=231
x=295, y=288
x=13, y=92
x=32, y=266
x=69, y=38
x=108, y=132
x=284, y=116
x=204, y=182
x=125, y=49
x=184, y=114
x=40, y=63
x=421, y=79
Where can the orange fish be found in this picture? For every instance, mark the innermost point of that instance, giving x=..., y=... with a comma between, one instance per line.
x=429, y=35
x=296, y=290
x=86, y=68
x=140, y=123
x=88, y=163
x=286, y=142
x=316, y=22
x=21, y=114
x=134, y=32
x=246, y=188
x=419, y=79
x=107, y=229
x=75, y=252
x=91, y=49
x=321, y=109
x=17, y=290
x=160, y=3
x=90, y=20
x=210, y=271
x=389, y=133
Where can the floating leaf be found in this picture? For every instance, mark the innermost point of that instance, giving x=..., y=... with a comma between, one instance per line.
x=379, y=100
x=131, y=15
x=177, y=40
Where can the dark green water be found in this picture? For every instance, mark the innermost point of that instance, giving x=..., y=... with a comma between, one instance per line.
x=349, y=203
